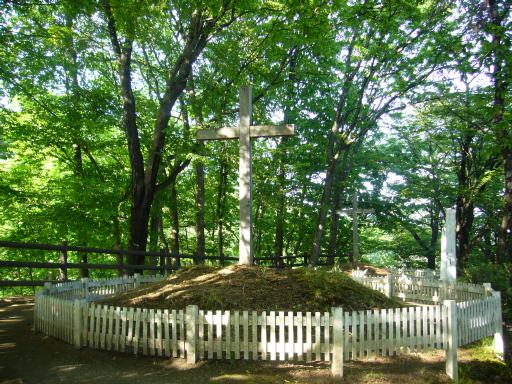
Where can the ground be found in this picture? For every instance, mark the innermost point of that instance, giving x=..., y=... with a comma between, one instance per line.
x=26, y=357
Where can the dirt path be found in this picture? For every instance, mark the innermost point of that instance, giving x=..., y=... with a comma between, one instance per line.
x=29, y=358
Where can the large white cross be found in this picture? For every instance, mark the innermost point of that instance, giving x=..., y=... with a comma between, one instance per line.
x=355, y=225
x=244, y=132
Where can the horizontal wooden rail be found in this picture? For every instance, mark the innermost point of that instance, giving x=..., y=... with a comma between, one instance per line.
x=26, y=283
x=42, y=264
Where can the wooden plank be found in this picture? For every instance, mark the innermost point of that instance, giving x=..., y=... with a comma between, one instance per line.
x=229, y=133
x=144, y=323
x=272, y=130
x=103, y=335
x=130, y=325
x=209, y=321
x=264, y=335
x=182, y=346
x=158, y=332
x=300, y=337
x=362, y=339
x=174, y=330
x=417, y=320
x=281, y=322
x=355, y=335
x=200, y=344
x=123, y=318
x=316, y=347
x=85, y=323
x=227, y=317
x=346, y=335
x=246, y=334
x=309, y=345
x=110, y=328
x=398, y=331
x=136, y=330
x=218, y=331
x=338, y=354
x=327, y=340
x=237, y=335
x=224, y=133
x=272, y=336
x=254, y=335
x=424, y=327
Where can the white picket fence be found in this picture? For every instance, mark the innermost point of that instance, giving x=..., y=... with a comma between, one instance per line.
x=65, y=311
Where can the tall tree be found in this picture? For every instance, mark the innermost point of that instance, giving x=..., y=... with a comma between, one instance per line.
x=203, y=22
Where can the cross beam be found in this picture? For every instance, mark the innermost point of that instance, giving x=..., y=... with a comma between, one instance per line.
x=244, y=132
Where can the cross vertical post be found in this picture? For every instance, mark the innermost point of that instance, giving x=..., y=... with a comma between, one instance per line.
x=244, y=132
x=244, y=178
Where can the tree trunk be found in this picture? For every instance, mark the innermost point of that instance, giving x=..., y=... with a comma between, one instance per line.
x=144, y=180
x=434, y=235
x=117, y=243
x=324, y=206
x=200, y=247
x=221, y=204
x=175, y=225
x=333, y=230
x=500, y=54
x=281, y=180
x=154, y=234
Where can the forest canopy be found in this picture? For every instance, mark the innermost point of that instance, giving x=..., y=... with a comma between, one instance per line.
x=405, y=104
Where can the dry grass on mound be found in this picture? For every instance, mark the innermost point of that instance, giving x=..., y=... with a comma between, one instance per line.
x=254, y=288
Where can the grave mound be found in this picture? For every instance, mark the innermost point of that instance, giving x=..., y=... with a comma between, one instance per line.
x=254, y=288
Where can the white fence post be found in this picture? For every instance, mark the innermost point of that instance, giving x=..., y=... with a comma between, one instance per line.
x=85, y=287
x=136, y=280
x=337, y=351
x=452, y=369
x=389, y=285
x=191, y=319
x=498, y=333
x=77, y=323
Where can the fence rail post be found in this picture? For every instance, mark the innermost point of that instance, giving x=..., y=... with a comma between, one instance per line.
x=85, y=287
x=63, y=259
x=77, y=323
x=337, y=351
x=191, y=316
x=452, y=369
x=498, y=333
x=389, y=286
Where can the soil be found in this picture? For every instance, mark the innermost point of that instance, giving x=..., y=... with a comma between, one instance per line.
x=26, y=357
x=255, y=288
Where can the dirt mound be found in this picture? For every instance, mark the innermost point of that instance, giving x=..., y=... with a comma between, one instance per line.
x=254, y=288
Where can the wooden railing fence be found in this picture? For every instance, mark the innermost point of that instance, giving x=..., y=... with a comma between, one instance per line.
x=67, y=311
x=161, y=262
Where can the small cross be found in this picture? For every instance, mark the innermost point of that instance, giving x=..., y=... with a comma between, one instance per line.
x=355, y=231
x=244, y=132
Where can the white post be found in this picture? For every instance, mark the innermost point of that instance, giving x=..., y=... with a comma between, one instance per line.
x=191, y=315
x=85, y=287
x=452, y=340
x=77, y=323
x=337, y=351
x=136, y=280
x=499, y=347
x=448, y=249
x=389, y=286
x=244, y=178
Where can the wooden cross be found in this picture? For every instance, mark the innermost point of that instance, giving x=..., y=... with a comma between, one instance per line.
x=244, y=132
x=355, y=231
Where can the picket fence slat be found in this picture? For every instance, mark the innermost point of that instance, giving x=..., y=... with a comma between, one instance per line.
x=274, y=335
